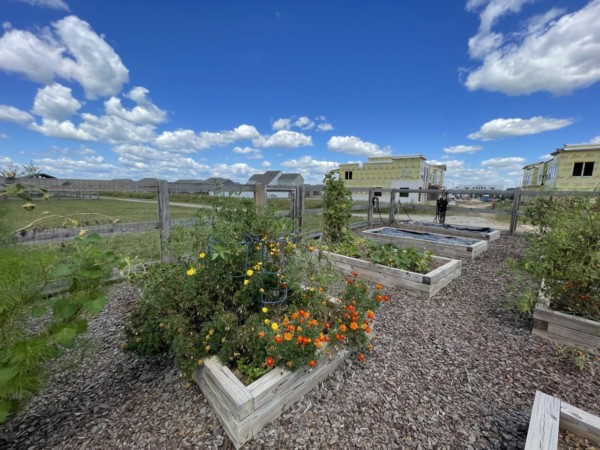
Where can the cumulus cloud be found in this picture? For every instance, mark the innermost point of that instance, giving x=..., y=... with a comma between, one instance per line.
x=595, y=140
x=450, y=164
x=312, y=170
x=463, y=149
x=325, y=127
x=283, y=139
x=508, y=163
x=189, y=141
x=55, y=102
x=64, y=167
x=303, y=123
x=70, y=50
x=249, y=152
x=144, y=113
x=282, y=124
x=545, y=157
x=53, y=4
x=12, y=114
x=114, y=129
x=62, y=129
x=353, y=145
x=502, y=128
x=555, y=52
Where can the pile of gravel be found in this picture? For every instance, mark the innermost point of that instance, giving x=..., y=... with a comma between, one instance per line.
x=456, y=371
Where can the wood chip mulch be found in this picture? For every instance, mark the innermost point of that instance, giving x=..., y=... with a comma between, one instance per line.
x=457, y=371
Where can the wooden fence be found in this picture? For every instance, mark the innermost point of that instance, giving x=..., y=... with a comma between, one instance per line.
x=391, y=201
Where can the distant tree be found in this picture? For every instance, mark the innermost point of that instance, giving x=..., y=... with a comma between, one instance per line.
x=13, y=170
x=30, y=169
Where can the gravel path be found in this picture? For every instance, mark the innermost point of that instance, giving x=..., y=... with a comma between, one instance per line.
x=452, y=372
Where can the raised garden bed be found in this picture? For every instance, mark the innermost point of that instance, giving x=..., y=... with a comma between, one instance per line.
x=424, y=285
x=566, y=329
x=245, y=410
x=448, y=246
x=549, y=414
x=483, y=233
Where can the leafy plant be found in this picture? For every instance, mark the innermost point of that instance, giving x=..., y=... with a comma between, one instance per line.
x=337, y=204
x=249, y=295
x=563, y=258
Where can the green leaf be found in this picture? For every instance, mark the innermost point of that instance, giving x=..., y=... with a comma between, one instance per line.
x=93, y=238
x=39, y=311
x=62, y=270
x=8, y=373
x=95, y=306
x=5, y=408
x=65, y=335
x=63, y=309
x=81, y=325
x=94, y=272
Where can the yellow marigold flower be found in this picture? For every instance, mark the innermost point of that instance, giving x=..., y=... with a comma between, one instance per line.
x=246, y=282
x=262, y=291
x=274, y=326
x=264, y=309
x=267, y=321
x=250, y=272
x=202, y=255
x=191, y=271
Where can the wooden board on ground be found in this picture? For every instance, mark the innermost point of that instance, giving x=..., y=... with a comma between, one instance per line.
x=424, y=285
x=440, y=247
x=549, y=414
x=566, y=329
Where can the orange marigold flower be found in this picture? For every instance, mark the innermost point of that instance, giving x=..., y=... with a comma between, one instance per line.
x=378, y=298
x=367, y=330
x=261, y=334
x=278, y=339
x=386, y=298
x=346, y=315
x=299, y=339
x=351, y=307
x=355, y=274
x=350, y=281
x=361, y=357
x=302, y=313
x=354, y=325
x=318, y=343
x=291, y=328
x=270, y=361
x=285, y=322
x=340, y=337
x=326, y=325
x=298, y=328
x=343, y=328
x=370, y=314
x=378, y=286
x=287, y=336
x=312, y=363
x=294, y=316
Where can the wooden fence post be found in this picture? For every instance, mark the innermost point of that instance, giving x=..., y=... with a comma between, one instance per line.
x=515, y=211
x=370, y=213
x=260, y=194
x=164, y=222
x=392, y=206
x=299, y=207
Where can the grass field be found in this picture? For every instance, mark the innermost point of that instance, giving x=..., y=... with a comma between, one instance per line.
x=87, y=212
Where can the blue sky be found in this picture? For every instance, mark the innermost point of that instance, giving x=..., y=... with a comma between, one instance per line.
x=192, y=89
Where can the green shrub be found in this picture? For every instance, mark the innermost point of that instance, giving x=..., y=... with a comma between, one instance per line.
x=563, y=258
x=337, y=204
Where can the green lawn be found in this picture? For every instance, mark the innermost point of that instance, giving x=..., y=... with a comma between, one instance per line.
x=87, y=212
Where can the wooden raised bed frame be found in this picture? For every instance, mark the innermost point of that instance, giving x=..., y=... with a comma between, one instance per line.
x=245, y=410
x=489, y=236
x=549, y=414
x=424, y=285
x=566, y=329
x=461, y=251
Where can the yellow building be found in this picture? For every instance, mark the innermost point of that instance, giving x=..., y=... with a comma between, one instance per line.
x=572, y=168
x=394, y=172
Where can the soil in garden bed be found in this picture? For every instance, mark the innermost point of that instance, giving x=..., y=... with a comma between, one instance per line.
x=395, y=232
x=452, y=372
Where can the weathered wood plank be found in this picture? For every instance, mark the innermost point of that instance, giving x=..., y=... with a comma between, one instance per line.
x=580, y=422
x=574, y=335
x=473, y=234
x=544, y=423
x=566, y=320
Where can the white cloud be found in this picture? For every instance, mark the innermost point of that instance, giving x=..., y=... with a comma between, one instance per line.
x=266, y=164
x=70, y=50
x=450, y=164
x=55, y=102
x=283, y=139
x=502, y=128
x=313, y=171
x=463, y=149
x=304, y=123
x=251, y=153
x=113, y=129
x=189, y=141
x=54, y=4
x=353, y=145
x=144, y=113
x=282, y=124
x=91, y=167
x=61, y=129
x=554, y=54
x=325, y=127
x=12, y=114
x=508, y=163
x=3, y=136
x=595, y=140
x=545, y=157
